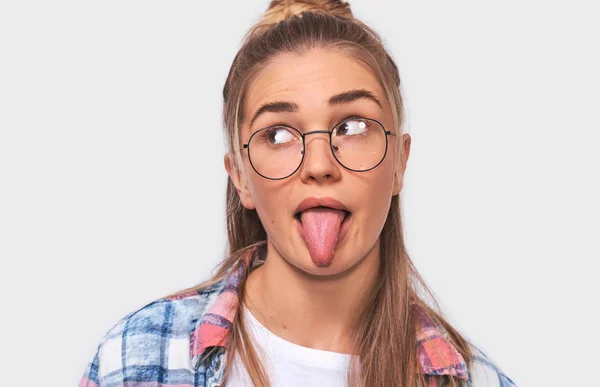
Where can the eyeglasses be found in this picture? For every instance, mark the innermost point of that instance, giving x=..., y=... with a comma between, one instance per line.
x=358, y=144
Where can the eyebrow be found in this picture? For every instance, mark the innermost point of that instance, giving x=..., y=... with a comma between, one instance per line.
x=275, y=107
x=353, y=95
x=338, y=99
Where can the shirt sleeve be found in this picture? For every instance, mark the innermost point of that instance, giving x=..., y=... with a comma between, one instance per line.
x=107, y=367
x=484, y=373
x=90, y=376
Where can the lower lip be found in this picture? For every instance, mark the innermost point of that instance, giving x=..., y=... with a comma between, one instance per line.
x=343, y=229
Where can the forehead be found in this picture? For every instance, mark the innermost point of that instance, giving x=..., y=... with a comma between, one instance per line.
x=309, y=79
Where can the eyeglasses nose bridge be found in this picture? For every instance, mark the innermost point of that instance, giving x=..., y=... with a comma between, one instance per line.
x=329, y=132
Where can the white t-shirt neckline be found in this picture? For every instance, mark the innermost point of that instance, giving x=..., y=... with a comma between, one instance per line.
x=295, y=352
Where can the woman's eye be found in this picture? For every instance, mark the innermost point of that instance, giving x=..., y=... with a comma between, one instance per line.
x=277, y=136
x=352, y=127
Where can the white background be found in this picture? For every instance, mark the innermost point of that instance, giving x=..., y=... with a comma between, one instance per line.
x=112, y=183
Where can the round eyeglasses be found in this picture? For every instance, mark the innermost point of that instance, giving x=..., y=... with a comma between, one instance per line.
x=358, y=144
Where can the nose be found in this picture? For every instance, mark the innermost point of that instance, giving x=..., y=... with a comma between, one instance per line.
x=319, y=164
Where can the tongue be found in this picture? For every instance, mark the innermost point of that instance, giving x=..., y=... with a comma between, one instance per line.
x=320, y=230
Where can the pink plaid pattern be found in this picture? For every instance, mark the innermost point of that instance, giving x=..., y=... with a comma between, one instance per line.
x=165, y=342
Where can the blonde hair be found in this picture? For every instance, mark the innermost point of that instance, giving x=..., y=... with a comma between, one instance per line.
x=385, y=333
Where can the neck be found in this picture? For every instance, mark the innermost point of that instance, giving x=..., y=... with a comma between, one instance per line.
x=313, y=311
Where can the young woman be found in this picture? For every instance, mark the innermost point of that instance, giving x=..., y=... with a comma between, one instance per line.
x=317, y=288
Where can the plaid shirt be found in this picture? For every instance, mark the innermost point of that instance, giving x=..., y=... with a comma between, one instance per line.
x=163, y=344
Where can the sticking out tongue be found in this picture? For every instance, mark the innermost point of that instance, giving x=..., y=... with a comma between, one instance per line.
x=320, y=231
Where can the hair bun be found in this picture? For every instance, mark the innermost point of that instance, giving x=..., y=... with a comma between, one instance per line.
x=280, y=10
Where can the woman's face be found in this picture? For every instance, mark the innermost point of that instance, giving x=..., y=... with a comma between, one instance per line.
x=315, y=241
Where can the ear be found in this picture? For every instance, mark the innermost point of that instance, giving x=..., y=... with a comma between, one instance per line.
x=400, y=169
x=239, y=183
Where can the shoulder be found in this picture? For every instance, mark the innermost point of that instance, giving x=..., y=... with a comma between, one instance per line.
x=152, y=338
x=484, y=372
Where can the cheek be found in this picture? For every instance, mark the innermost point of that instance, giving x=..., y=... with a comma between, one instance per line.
x=380, y=181
x=378, y=194
x=270, y=202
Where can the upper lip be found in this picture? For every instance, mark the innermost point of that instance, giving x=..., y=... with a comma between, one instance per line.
x=314, y=201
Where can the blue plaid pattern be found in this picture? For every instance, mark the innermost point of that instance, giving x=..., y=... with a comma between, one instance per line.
x=163, y=343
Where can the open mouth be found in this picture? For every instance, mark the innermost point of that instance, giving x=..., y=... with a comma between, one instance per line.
x=298, y=215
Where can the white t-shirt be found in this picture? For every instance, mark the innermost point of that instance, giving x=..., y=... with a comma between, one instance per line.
x=292, y=365
x=289, y=364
